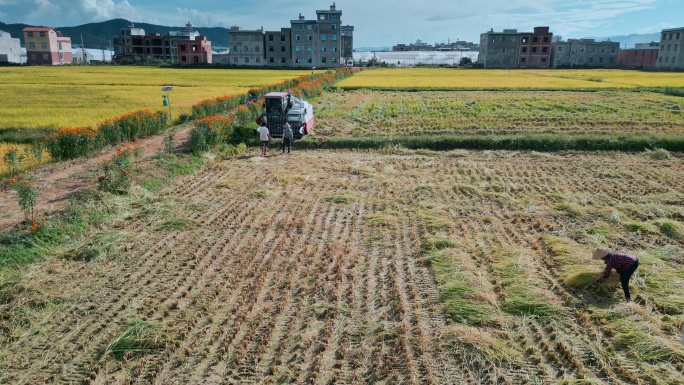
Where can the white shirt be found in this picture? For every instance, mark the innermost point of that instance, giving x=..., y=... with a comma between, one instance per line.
x=263, y=133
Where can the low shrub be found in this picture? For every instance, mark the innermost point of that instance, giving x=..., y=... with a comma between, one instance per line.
x=71, y=142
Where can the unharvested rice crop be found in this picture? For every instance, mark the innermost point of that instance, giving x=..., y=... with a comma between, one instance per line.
x=56, y=97
x=459, y=79
x=326, y=267
x=392, y=113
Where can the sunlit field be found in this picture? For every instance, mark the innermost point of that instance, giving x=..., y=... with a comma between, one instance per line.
x=55, y=97
x=445, y=78
x=391, y=113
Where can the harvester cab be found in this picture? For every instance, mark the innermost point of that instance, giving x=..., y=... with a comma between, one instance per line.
x=281, y=107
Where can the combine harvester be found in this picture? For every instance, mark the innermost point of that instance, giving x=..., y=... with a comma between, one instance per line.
x=282, y=107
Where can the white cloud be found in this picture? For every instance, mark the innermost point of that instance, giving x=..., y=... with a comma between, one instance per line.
x=108, y=9
x=8, y=2
x=195, y=17
x=43, y=12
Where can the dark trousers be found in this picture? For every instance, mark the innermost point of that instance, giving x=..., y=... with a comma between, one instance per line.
x=287, y=142
x=626, y=275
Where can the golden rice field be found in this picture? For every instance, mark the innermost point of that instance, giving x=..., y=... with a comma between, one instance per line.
x=392, y=267
x=391, y=113
x=56, y=97
x=27, y=154
x=445, y=78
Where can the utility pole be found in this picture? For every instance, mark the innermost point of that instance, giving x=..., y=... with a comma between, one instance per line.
x=83, y=50
x=102, y=46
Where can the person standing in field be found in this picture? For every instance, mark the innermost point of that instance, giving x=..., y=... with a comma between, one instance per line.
x=264, y=137
x=287, y=137
x=625, y=264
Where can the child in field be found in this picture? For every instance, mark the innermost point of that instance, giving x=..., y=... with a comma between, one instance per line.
x=624, y=264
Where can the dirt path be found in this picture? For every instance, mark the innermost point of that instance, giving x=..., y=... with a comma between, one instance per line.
x=58, y=182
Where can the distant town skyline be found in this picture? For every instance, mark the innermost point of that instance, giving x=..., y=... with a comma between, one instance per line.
x=377, y=24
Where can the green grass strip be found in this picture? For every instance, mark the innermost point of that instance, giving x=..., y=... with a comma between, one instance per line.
x=545, y=143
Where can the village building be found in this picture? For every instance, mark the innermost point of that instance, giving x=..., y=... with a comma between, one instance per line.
x=10, y=48
x=45, y=45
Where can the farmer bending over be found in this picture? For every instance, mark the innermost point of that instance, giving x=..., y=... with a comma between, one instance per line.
x=624, y=264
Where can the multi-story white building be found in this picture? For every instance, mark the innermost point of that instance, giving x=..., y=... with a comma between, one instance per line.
x=10, y=48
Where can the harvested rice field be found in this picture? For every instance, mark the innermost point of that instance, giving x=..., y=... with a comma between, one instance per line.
x=385, y=267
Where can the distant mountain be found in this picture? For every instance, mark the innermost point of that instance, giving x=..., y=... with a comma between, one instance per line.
x=95, y=35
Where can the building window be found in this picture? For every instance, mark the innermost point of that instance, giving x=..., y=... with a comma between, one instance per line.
x=591, y=60
x=270, y=48
x=322, y=37
x=601, y=60
x=61, y=56
x=543, y=60
x=670, y=35
x=676, y=47
x=534, y=49
x=270, y=37
x=184, y=58
x=29, y=34
x=677, y=35
x=545, y=49
x=32, y=45
x=42, y=34
x=272, y=60
x=334, y=26
x=334, y=49
x=323, y=60
x=195, y=59
x=323, y=49
x=309, y=48
x=282, y=60
x=309, y=37
x=668, y=47
x=525, y=39
x=44, y=46
x=535, y=39
x=235, y=59
x=235, y=48
x=45, y=56
x=522, y=59
x=245, y=49
x=297, y=37
x=60, y=45
x=256, y=49
x=334, y=60
x=282, y=37
x=524, y=49
x=246, y=59
x=298, y=48
x=546, y=39
x=182, y=48
x=334, y=37
x=282, y=48
x=309, y=60
x=258, y=59
x=297, y=60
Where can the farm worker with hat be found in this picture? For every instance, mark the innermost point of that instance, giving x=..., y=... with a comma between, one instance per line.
x=287, y=137
x=625, y=264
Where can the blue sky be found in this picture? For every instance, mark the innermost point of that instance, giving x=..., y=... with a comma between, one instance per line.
x=377, y=23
